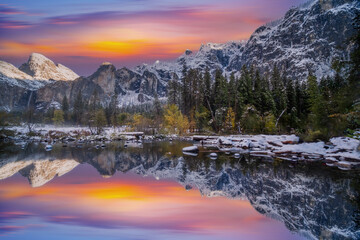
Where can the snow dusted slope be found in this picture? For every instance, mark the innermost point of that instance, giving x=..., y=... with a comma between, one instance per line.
x=42, y=68
x=308, y=37
x=41, y=172
x=16, y=87
x=210, y=55
x=10, y=71
x=66, y=72
x=19, y=86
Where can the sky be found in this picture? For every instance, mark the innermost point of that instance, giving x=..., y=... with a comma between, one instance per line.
x=82, y=34
x=83, y=205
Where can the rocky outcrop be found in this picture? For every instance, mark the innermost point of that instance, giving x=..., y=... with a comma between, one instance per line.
x=107, y=82
x=10, y=71
x=306, y=39
x=42, y=68
x=15, y=97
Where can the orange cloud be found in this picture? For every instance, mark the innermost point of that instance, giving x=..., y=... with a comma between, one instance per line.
x=15, y=48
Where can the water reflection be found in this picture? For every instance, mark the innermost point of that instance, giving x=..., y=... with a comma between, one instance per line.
x=309, y=199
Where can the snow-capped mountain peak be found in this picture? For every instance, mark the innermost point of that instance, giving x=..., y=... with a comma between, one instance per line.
x=42, y=68
x=308, y=38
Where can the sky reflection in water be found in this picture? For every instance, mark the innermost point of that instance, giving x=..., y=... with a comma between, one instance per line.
x=84, y=205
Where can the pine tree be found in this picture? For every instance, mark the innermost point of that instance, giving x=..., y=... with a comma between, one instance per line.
x=319, y=115
x=258, y=92
x=207, y=90
x=173, y=92
x=291, y=105
x=185, y=88
x=278, y=90
x=202, y=117
x=220, y=92
x=78, y=108
x=354, y=76
x=157, y=106
x=232, y=91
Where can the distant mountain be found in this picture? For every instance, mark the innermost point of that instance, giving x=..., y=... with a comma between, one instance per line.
x=130, y=88
x=210, y=55
x=19, y=85
x=308, y=38
x=42, y=68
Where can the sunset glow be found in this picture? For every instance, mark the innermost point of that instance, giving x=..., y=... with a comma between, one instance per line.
x=126, y=201
x=127, y=33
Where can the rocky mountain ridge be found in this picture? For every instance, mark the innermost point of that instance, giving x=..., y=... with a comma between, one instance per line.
x=308, y=38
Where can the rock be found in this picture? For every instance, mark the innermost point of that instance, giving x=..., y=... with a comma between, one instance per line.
x=41, y=68
x=193, y=154
x=188, y=52
x=193, y=149
x=48, y=147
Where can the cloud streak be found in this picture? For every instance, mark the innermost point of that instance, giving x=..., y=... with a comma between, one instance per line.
x=146, y=31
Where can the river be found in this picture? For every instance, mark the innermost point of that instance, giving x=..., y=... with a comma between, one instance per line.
x=150, y=190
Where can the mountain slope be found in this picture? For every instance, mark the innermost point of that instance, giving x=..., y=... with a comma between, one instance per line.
x=130, y=88
x=307, y=38
x=211, y=55
x=10, y=71
x=42, y=68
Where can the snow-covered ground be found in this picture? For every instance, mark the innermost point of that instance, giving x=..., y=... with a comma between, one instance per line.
x=78, y=132
x=341, y=152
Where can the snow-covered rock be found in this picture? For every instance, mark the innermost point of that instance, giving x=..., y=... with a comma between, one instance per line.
x=191, y=149
x=287, y=147
x=10, y=71
x=41, y=68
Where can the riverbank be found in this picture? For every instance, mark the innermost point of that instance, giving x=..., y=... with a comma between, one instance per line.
x=340, y=152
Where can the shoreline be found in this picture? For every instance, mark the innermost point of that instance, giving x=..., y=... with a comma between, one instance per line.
x=340, y=152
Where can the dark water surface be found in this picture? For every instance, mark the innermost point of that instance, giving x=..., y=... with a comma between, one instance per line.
x=152, y=191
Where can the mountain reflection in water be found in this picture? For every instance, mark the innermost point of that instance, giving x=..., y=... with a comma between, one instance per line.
x=311, y=200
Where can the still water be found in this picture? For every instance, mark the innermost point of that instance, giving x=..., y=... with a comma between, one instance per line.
x=151, y=191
